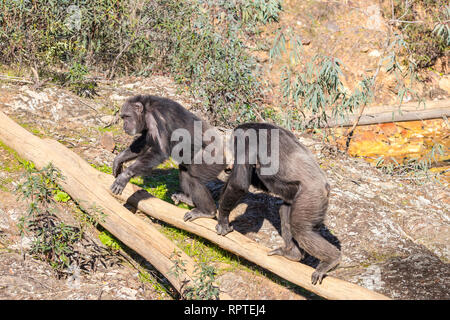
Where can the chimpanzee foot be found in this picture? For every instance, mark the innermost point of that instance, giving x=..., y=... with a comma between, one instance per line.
x=223, y=229
x=317, y=277
x=322, y=270
x=292, y=253
x=195, y=214
x=181, y=197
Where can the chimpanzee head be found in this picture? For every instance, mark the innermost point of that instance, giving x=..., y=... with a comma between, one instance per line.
x=133, y=116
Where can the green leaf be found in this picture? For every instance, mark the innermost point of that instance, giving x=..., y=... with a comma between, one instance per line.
x=61, y=196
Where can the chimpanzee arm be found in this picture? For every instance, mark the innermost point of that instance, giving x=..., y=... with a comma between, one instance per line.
x=142, y=165
x=137, y=147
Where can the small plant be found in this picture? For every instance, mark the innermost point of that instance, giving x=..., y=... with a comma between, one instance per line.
x=178, y=264
x=442, y=28
x=314, y=93
x=61, y=196
x=38, y=188
x=53, y=240
x=424, y=26
x=76, y=80
x=203, y=287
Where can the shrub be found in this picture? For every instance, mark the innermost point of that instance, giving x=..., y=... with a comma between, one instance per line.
x=424, y=24
x=199, y=42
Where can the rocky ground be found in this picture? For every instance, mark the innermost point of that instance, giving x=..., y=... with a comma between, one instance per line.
x=394, y=235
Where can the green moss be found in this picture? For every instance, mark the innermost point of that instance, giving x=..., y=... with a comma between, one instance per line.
x=103, y=168
x=15, y=165
x=110, y=241
x=37, y=132
x=163, y=182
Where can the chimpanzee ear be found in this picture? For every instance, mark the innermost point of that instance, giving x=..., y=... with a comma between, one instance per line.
x=138, y=106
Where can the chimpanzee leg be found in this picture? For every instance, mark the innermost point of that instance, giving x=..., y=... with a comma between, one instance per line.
x=205, y=207
x=185, y=195
x=305, y=215
x=290, y=249
x=235, y=188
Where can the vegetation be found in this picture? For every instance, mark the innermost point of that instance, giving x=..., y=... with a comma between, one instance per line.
x=414, y=169
x=203, y=287
x=425, y=26
x=199, y=42
x=53, y=240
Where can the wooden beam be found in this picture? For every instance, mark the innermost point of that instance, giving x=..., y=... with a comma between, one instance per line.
x=386, y=117
x=80, y=182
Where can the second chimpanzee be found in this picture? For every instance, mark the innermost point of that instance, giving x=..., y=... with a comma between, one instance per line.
x=297, y=180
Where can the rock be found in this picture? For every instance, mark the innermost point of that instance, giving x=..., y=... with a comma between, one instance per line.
x=374, y=53
x=375, y=20
x=116, y=97
x=107, y=119
x=364, y=49
x=306, y=42
x=444, y=83
x=107, y=141
x=332, y=26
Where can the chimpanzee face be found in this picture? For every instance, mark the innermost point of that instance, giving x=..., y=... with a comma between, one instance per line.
x=133, y=117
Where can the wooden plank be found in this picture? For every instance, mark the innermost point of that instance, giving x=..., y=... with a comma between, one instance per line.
x=82, y=186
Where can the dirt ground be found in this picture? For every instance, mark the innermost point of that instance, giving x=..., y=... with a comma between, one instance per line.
x=394, y=235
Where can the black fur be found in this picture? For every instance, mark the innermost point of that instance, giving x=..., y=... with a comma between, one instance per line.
x=155, y=119
x=300, y=183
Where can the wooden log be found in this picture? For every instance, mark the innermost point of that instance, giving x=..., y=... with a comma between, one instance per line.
x=385, y=114
x=81, y=184
x=386, y=117
x=235, y=242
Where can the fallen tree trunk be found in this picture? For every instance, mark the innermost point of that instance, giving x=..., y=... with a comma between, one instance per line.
x=300, y=274
x=235, y=242
x=79, y=181
x=386, y=117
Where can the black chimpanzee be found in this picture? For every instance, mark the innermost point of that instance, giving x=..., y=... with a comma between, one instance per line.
x=298, y=180
x=154, y=120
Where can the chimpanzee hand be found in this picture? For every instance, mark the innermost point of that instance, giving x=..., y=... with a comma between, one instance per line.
x=119, y=184
x=117, y=167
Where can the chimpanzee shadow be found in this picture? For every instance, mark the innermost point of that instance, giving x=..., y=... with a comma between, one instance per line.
x=262, y=206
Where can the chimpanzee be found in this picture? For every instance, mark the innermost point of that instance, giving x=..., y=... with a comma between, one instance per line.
x=155, y=119
x=297, y=180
